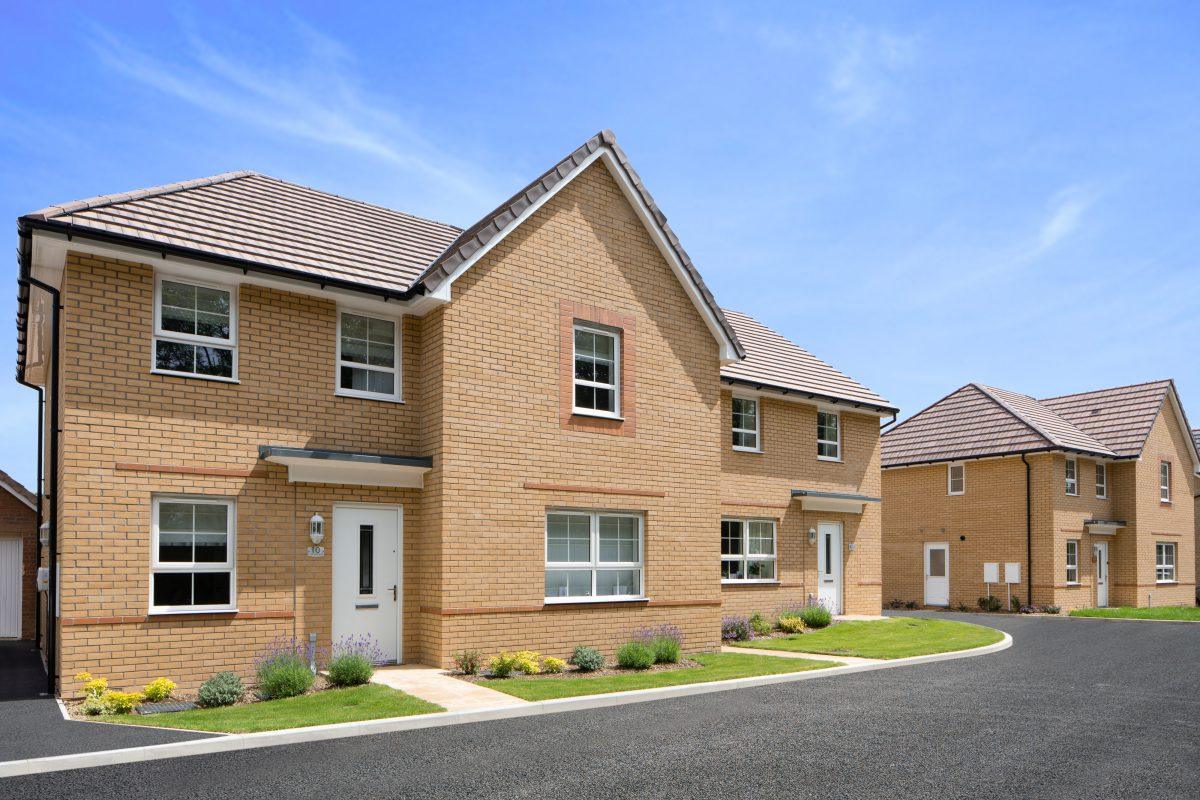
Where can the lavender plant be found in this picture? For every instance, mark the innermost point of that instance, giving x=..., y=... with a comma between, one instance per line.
x=352, y=660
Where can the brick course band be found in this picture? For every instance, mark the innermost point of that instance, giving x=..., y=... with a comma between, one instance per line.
x=132, y=619
x=458, y=612
x=176, y=469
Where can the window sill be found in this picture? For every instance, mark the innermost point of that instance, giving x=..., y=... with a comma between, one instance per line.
x=955, y=494
x=155, y=612
x=193, y=376
x=365, y=396
x=748, y=582
x=1165, y=503
x=829, y=460
x=737, y=449
x=583, y=412
x=1073, y=584
x=1166, y=583
x=561, y=601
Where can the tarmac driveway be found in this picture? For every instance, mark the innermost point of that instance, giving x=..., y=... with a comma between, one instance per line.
x=1075, y=709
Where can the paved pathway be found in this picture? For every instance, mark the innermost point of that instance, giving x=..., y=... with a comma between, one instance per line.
x=434, y=685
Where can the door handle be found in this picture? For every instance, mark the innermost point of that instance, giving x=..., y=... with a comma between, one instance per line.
x=393, y=592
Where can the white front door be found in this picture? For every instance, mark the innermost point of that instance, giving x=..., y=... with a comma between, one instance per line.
x=1100, y=555
x=367, y=589
x=10, y=588
x=937, y=574
x=829, y=565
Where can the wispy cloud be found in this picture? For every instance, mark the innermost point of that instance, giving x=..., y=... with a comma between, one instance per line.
x=317, y=96
x=864, y=65
x=1065, y=215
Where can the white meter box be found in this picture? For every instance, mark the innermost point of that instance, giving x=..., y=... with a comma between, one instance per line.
x=1012, y=572
x=991, y=572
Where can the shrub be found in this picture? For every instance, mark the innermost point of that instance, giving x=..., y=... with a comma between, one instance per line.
x=120, y=702
x=552, y=665
x=635, y=655
x=352, y=660
x=911, y=604
x=962, y=607
x=791, y=623
x=468, y=662
x=735, y=629
x=989, y=603
x=666, y=641
x=93, y=706
x=222, y=689
x=586, y=659
x=502, y=665
x=895, y=603
x=92, y=687
x=283, y=672
x=1014, y=604
x=760, y=625
x=1051, y=609
x=816, y=617
x=158, y=690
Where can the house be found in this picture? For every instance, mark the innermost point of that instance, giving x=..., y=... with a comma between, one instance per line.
x=18, y=560
x=1196, y=443
x=285, y=413
x=1086, y=496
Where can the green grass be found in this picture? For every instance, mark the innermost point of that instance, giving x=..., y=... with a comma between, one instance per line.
x=716, y=667
x=334, y=705
x=1188, y=613
x=889, y=638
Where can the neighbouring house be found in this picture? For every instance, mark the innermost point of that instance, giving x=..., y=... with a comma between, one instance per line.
x=18, y=560
x=1196, y=443
x=285, y=413
x=1088, y=495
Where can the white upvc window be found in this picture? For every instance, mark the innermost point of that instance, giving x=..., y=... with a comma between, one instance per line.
x=829, y=436
x=593, y=555
x=1164, y=562
x=1164, y=481
x=1072, y=477
x=745, y=424
x=195, y=329
x=597, y=362
x=1072, y=561
x=1101, y=480
x=747, y=550
x=192, y=565
x=368, y=356
x=956, y=479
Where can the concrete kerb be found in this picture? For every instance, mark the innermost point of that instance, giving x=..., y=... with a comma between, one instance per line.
x=316, y=733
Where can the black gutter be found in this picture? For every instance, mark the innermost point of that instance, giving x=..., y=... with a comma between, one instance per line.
x=1028, y=535
x=759, y=386
x=1005, y=454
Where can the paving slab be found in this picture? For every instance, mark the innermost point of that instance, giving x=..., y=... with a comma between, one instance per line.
x=435, y=686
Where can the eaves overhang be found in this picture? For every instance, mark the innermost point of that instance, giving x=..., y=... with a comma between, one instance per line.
x=343, y=467
x=838, y=502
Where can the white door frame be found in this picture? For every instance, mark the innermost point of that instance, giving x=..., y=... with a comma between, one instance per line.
x=20, y=584
x=945, y=546
x=837, y=562
x=1097, y=549
x=399, y=509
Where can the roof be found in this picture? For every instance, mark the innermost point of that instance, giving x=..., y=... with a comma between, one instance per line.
x=18, y=490
x=773, y=361
x=978, y=421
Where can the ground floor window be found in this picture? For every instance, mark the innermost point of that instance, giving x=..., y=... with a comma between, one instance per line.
x=747, y=550
x=1072, y=561
x=593, y=554
x=192, y=563
x=1164, y=562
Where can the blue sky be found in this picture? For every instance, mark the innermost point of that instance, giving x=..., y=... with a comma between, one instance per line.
x=922, y=194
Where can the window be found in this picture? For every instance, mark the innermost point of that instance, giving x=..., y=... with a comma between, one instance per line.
x=829, y=436
x=1164, y=481
x=1072, y=561
x=747, y=550
x=1072, y=477
x=193, y=560
x=597, y=365
x=745, y=423
x=1101, y=481
x=366, y=559
x=593, y=555
x=956, y=479
x=1164, y=562
x=195, y=330
x=368, y=357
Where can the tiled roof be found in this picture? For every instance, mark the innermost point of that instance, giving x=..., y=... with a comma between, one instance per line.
x=18, y=490
x=776, y=362
x=978, y=421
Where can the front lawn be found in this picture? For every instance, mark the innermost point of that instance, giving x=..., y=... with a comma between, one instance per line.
x=714, y=667
x=1186, y=613
x=888, y=638
x=322, y=708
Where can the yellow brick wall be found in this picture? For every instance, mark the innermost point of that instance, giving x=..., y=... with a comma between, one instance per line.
x=759, y=486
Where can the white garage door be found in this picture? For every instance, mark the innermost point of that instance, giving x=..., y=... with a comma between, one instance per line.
x=10, y=588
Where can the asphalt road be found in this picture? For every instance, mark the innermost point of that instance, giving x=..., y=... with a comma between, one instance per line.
x=1076, y=708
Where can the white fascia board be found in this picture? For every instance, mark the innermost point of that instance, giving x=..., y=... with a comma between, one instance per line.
x=834, y=504
x=310, y=470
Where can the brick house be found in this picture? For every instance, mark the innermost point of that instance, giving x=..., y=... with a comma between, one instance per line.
x=1090, y=495
x=285, y=413
x=18, y=559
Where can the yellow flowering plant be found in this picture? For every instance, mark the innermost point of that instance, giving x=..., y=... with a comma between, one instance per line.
x=158, y=690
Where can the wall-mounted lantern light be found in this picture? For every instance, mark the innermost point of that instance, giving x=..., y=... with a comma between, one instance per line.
x=316, y=528
x=812, y=535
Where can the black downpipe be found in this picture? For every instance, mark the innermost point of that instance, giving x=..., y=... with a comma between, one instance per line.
x=1028, y=536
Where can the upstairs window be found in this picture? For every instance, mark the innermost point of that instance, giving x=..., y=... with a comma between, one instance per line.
x=192, y=564
x=745, y=423
x=747, y=550
x=195, y=330
x=1072, y=477
x=1101, y=481
x=368, y=357
x=1164, y=562
x=956, y=479
x=829, y=436
x=1072, y=561
x=597, y=367
x=1164, y=481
